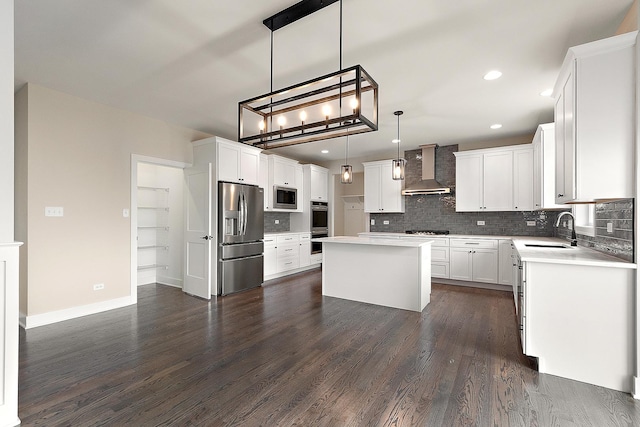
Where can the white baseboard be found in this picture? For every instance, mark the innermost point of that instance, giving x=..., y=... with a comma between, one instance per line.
x=170, y=281
x=635, y=390
x=34, y=321
x=290, y=272
x=493, y=286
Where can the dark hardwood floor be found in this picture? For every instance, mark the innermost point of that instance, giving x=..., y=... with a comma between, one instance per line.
x=283, y=355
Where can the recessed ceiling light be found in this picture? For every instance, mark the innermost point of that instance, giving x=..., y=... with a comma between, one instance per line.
x=496, y=126
x=325, y=151
x=492, y=75
x=547, y=92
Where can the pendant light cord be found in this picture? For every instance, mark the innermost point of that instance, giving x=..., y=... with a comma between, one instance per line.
x=398, y=136
x=340, y=98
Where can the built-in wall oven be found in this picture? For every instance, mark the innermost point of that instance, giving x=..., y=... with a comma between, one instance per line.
x=319, y=224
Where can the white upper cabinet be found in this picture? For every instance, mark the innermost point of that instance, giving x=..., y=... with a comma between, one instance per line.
x=283, y=172
x=484, y=180
x=264, y=181
x=381, y=192
x=319, y=183
x=544, y=168
x=594, y=121
x=523, y=179
x=238, y=162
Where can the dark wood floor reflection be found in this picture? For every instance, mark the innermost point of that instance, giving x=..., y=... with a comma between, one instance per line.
x=283, y=355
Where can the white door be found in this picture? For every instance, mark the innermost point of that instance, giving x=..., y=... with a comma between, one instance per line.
x=198, y=234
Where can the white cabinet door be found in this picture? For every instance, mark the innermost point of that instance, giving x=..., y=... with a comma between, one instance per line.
x=264, y=182
x=305, y=253
x=372, y=188
x=485, y=265
x=390, y=190
x=505, y=263
x=270, y=260
x=284, y=172
x=523, y=179
x=319, y=184
x=565, y=141
x=249, y=166
x=538, y=176
x=228, y=162
x=497, y=183
x=460, y=263
x=469, y=183
x=381, y=192
x=237, y=163
x=299, y=184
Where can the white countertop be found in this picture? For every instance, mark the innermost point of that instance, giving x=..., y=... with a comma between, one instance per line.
x=576, y=255
x=374, y=241
x=272, y=233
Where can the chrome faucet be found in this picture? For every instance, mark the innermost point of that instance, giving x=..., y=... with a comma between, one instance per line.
x=574, y=239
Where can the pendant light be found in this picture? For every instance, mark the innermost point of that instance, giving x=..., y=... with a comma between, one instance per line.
x=346, y=171
x=397, y=165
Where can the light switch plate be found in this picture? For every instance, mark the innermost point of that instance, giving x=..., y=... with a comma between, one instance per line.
x=53, y=211
x=609, y=227
x=480, y=223
x=531, y=223
x=125, y=213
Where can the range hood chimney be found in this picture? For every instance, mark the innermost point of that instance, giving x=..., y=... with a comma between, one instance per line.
x=428, y=185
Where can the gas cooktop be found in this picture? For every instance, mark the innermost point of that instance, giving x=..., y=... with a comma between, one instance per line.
x=427, y=232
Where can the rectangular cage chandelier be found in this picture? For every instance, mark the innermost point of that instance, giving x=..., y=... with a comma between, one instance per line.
x=341, y=103
x=330, y=106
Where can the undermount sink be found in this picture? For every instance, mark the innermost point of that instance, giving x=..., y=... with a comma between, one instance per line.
x=547, y=245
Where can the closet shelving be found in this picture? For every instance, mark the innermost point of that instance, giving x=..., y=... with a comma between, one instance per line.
x=153, y=228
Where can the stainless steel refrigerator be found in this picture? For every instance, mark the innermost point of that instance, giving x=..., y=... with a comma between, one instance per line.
x=240, y=237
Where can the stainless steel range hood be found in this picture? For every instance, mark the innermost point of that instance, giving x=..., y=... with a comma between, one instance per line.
x=428, y=185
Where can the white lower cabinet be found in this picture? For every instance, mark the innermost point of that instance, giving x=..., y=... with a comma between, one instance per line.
x=474, y=260
x=287, y=253
x=305, y=250
x=270, y=259
x=440, y=258
x=506, y=263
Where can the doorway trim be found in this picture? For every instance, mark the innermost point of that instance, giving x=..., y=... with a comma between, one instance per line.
x=133, y=212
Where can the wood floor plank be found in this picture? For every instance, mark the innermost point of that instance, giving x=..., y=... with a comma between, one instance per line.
x=284, y=355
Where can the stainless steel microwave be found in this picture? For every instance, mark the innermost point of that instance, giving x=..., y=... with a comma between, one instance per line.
x=285, y=197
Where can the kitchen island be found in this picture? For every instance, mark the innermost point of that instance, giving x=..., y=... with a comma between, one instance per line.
x=391, y=273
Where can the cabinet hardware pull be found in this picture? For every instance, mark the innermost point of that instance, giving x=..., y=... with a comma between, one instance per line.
x=560, y=195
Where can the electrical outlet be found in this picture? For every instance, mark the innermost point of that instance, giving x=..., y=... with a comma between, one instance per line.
x=277, y=221
x=98, y=286
x=385, y=222
x=531, y=223
x=373, y=222
x=125, y=213
x=564, y=224
x=479, y=222
x=609, y=227
x=53, y=211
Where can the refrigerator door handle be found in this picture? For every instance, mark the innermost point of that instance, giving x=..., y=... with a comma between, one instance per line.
x=240, y=214
x=246, y=213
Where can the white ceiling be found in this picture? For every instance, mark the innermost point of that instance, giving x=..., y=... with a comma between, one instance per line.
x=191, y=62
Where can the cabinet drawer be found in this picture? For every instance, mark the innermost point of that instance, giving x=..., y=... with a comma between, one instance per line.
x=287, y=264
x=440, y=242
x=288, y=251
x=440, y=269
x=287, y=238
x=439, y=253
x=473, y=243
x=269, y=240
x=306, y=236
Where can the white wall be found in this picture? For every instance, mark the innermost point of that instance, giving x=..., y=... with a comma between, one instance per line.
x=78, y=156
x=6, y=121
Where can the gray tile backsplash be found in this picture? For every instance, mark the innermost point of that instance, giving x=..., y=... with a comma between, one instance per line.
x=438, y=212
x=270, y=225
x=619, y=243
